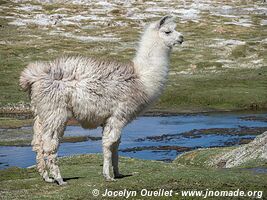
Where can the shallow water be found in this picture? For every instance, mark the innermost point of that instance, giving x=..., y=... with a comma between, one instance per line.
x=141, y=128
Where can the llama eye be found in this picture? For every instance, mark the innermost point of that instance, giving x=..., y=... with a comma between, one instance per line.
x=167, y=32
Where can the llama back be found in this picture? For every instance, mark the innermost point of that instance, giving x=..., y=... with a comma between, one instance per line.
x=73, y=68
x=58, y=69
x=102, y=84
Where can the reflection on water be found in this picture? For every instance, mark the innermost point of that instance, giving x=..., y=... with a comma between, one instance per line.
x=141, y=128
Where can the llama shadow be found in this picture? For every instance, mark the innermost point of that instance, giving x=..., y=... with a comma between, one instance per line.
x=71, y=178
x=124, y=176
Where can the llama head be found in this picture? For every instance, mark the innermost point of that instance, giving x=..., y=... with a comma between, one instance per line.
x=165, y=28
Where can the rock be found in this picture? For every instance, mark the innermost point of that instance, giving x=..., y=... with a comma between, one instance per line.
x=241, y=22
x=257, y=149
x=40, y=20
x=30, y=8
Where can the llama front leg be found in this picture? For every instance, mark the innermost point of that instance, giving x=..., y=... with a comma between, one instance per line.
x=107, y=161
x=115, y=160
x=110, y=138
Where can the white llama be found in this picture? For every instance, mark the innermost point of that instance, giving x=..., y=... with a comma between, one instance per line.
x=97, y=93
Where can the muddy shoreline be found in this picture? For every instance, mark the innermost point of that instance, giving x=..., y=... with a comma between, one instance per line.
x=25, y=117
x=27, y=142
x=26, y=113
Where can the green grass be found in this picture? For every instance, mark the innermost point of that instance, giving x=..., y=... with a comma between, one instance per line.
x=84, y=174
x=232, y=89
x=6, y=122
x=18, y=143
x=201, y=157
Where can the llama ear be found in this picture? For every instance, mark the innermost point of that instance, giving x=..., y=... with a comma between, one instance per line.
x=163, y=20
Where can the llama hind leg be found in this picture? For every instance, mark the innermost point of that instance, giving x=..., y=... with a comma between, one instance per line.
x=54, y=169
x=38, y=148
x=42, y=168
x=50, y=146
x=50, y=154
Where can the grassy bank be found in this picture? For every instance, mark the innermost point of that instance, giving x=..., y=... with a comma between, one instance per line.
x=229, y=90
x=83, y=174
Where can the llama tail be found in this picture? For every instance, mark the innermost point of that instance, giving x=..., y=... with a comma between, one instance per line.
x=32, y=73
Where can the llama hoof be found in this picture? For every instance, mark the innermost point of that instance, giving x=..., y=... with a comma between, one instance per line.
x=49, y=180
x=61, y=182
x=110, y=179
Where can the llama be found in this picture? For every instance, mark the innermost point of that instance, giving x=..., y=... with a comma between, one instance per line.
x=97, y=93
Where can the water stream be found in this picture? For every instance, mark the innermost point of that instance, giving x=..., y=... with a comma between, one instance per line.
x=135, y=136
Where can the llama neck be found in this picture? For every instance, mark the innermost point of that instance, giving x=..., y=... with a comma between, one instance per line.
x=151, y=63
